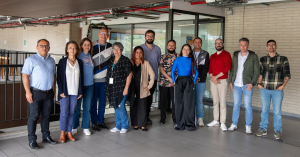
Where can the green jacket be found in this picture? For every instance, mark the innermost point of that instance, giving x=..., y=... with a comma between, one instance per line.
x=251, y=68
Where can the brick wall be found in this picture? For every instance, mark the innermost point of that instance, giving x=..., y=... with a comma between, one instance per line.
x=259, y=23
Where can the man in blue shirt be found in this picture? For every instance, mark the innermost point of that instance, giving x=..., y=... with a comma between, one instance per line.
x=39, y=75
x=153, y=56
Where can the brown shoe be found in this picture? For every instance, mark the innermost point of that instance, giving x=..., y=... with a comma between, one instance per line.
x=62, y=137
x=70, y=136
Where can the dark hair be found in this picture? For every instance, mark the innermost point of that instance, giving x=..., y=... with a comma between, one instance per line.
x=81, y=43
x=133, y=54
x=171, y=41
x=269, y=41
x=197, y=38
x=43, y=40
x=150, y=31
x=76, y=45
x=244, y=39
x=191, y=55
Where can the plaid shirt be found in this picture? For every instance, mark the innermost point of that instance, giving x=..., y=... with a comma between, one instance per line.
x=273, y=71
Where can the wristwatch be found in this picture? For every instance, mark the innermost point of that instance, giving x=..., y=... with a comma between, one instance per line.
x=258, y=84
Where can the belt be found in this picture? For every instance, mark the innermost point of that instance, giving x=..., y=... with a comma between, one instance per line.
x=38, y=90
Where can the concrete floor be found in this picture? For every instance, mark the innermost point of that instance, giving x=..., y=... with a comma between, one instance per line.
x=164, y=141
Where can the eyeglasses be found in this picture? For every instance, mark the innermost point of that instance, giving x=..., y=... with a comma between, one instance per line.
x=103, y=33
x=44, y=46
x=116, y=49
x=271, y=45
x=219, y=43
x=149, y=36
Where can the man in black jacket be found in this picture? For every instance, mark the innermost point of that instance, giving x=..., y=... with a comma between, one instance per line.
x=202, y=60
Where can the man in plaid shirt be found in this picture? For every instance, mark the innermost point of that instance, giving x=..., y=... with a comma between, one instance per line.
x=274, y=75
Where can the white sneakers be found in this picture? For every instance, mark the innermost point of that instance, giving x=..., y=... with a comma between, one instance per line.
x=114, y=130
x=74, y=131
x=232, y=127
x=200, y=122
x=87, y=132
x=122, y=131
x=248, y=130
x=213, y=123
x=223, y=127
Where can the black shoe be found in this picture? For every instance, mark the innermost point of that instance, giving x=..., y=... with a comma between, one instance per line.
x=145, y=129
x=162, y=122
x=96, y=127
x=135, y=128
x=33, y=145
x=149, y=121
x=102, y=125
x=49, y=140
x=192, y=128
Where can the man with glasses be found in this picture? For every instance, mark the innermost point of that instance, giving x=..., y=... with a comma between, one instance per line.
x=220, y=64
x=202, y=61
x=243, y=76
x=102, y=51
x=39, y=78
x=274, y=75
x=152, y=55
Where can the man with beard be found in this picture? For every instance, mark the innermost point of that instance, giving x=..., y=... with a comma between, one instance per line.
x=166, y=83
x=220, y=64
x=202, y=61
x=152, y=55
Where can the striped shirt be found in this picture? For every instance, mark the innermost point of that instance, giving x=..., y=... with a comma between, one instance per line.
x=273, y=71
x=101, y=56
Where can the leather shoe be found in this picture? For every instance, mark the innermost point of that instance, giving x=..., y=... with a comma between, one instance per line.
x=33, y=145
x=62, y=138
x=70, y=136
x=96, y=127
x=103, y=125
x=49, y=140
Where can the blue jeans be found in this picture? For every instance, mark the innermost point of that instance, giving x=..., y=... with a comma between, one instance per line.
x=87, y=102
x=99, y=93
x=265, y=97
x=238, y=92
x=122, y=121
x=67, y=108
x=199, y=93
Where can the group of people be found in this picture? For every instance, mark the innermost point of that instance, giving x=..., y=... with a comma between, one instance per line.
x=95, y=73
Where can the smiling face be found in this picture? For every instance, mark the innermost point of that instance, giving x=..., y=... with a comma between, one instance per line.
x=149, y=38
x=244, y=46
x=197, y=44
x=43, y=48
x=86, y=46
x=117, y=51
x=138, y=54
x=103, y=35
x=186, y=51
x=219, y=45
x=171, y=46
x=271, y=47
x=72, y=50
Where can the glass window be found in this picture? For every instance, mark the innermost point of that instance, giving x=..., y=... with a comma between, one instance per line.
x=122, y=34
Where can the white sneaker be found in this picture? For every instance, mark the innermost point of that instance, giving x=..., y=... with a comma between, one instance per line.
x=114, y=130
x=74, y=131
x=232, y=127
x=213, y=123
x=200, y=122
x=223, y=127
x=123, y=131
x=87, y=132
x=248, y=130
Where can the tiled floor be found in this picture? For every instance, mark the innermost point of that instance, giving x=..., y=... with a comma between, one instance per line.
x=162, y=141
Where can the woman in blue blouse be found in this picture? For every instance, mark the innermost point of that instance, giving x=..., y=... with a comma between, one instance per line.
x=184, y=89
x=86, y=48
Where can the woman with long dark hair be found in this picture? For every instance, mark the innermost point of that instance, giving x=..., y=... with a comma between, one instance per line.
x=185, y=65
x=85, y=48
x=140, y=86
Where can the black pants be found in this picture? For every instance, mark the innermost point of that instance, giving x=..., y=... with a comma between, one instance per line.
x=138, y=111
x=42, y=103
x=166, y=96
x=150, y=98
x=185, y=103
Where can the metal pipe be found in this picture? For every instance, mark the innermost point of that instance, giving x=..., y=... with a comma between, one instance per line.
x=201, y=2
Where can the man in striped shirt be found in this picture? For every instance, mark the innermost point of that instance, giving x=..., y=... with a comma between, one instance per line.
x=274, y=75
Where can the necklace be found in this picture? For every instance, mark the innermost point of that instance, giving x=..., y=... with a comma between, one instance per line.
x=73, y=61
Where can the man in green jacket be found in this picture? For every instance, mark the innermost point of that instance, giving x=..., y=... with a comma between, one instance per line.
x=243, y=76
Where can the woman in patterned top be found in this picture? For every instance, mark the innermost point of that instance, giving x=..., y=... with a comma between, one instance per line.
x=117, y=86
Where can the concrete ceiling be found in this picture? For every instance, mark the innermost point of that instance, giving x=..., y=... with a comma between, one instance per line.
x=45, y=8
